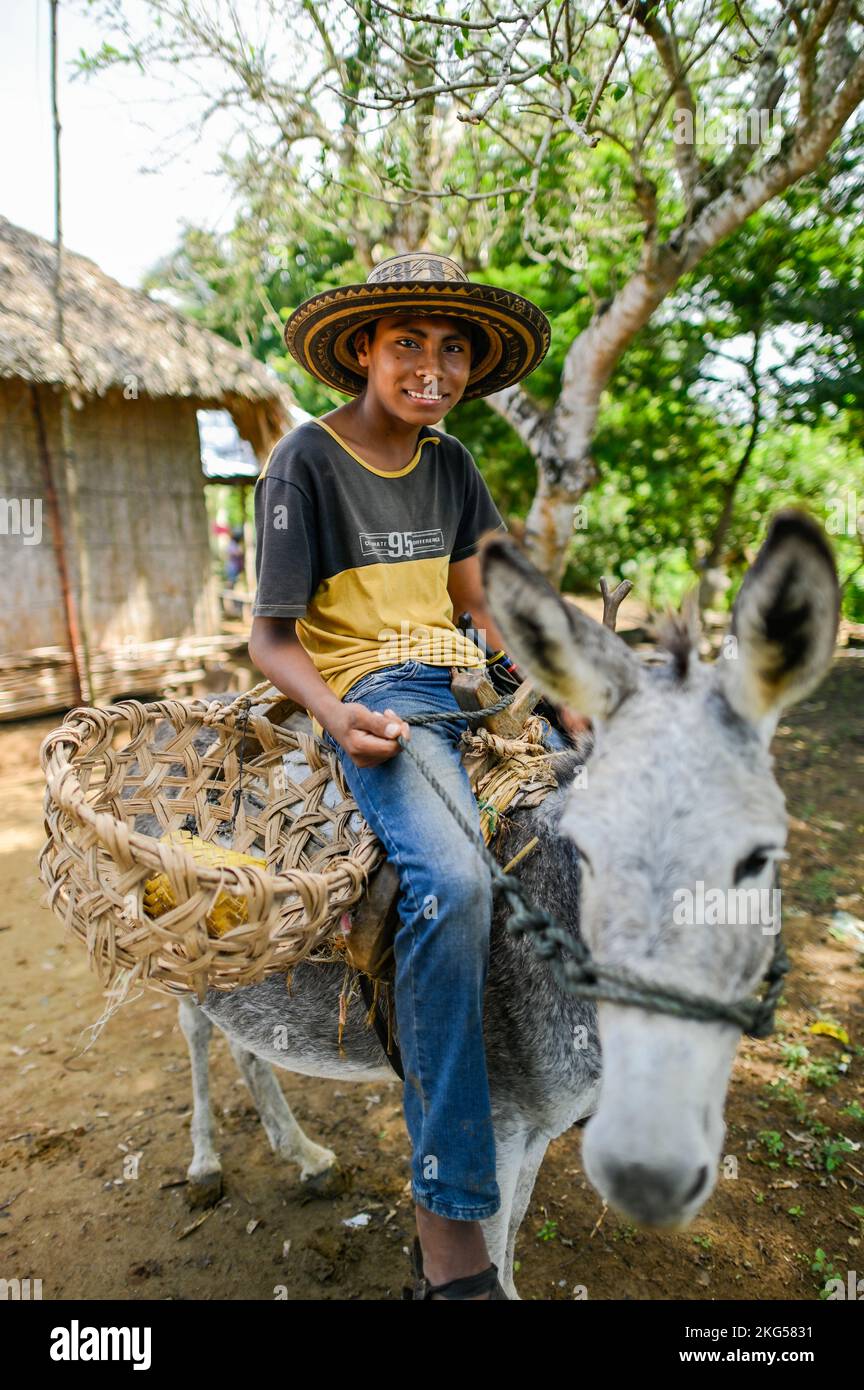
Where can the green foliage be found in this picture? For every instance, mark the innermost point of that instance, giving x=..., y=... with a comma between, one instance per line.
x=785, y=294
x=824, y=1270
x=772, y=1141
x=822, y=1073
x=794, y=1055
x=833, y=1152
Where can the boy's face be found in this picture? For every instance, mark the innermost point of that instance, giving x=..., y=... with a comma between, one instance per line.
x=426, y=355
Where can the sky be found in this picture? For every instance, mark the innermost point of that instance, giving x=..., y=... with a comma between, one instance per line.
x=114, y=127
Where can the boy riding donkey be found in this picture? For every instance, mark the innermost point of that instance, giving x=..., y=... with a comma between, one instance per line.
x=367, y=527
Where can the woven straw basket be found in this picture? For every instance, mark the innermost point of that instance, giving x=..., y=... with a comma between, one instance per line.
x=180, y=764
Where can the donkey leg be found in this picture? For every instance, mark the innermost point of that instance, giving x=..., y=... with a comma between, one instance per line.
x=533, y=1155
x=286, y=1137
x=510, y=1150
x=205, y=1170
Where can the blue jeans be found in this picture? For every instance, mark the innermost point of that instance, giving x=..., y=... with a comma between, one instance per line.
x=441, y=947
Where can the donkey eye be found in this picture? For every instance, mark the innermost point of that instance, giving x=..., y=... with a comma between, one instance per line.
x=751, y=866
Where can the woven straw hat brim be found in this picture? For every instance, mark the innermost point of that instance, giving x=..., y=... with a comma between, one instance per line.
x=516, y=334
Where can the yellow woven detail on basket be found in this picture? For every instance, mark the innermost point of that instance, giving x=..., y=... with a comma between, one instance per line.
x=228, y=911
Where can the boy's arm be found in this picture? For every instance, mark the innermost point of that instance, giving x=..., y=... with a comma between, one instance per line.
x=465, y=588
x=367, y=736
x=277, y=652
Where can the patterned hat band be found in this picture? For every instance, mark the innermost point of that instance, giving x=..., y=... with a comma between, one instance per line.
x=511, y=336
x=422, y=265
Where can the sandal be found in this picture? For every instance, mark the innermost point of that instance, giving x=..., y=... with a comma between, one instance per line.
x=486, y=1281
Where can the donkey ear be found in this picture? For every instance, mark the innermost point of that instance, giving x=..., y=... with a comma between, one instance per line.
x=785, y=621
x=569, y=657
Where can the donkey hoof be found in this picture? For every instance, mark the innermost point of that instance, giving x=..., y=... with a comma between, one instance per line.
x=329, y=1182
x=204, y=1190
x=316, y=1160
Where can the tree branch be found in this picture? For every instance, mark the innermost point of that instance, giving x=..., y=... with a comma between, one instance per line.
x=667, y=51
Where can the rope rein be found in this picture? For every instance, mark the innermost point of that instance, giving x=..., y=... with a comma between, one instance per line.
x=568, y=957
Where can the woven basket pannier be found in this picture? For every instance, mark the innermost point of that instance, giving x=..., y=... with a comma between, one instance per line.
x=141, y=799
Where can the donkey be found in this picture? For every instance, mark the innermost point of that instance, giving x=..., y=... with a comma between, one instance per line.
x=676, y=788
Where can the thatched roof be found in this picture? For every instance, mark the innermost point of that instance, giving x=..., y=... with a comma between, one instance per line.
x=114, y=333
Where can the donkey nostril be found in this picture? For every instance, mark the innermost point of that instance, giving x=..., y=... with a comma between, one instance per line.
x=639, y=1183
x=652, y=1193
x=701, y=1179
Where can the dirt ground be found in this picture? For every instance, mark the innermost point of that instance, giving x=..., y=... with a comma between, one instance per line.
x=776, y=1229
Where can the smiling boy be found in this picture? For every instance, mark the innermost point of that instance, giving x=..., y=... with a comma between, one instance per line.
x=367, y=527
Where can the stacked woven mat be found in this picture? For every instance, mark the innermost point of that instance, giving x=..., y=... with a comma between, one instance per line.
x=194, y=845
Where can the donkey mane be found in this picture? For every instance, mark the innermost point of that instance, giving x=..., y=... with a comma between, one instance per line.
x=678, y=633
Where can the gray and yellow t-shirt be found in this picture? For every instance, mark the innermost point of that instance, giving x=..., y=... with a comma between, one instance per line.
x=360, y=556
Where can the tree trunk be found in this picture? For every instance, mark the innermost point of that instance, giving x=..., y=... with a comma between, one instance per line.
x=561, y=441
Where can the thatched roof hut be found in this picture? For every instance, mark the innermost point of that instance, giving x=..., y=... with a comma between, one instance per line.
x=123, y=339
x=99, y=442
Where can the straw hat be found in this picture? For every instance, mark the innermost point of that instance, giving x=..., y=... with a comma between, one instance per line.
x=512, y=334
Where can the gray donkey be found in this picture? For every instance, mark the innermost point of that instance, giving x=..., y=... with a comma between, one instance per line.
x=676, y=791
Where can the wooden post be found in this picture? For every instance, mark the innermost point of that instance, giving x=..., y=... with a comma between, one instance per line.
x=68, y=453
x=58, y=541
